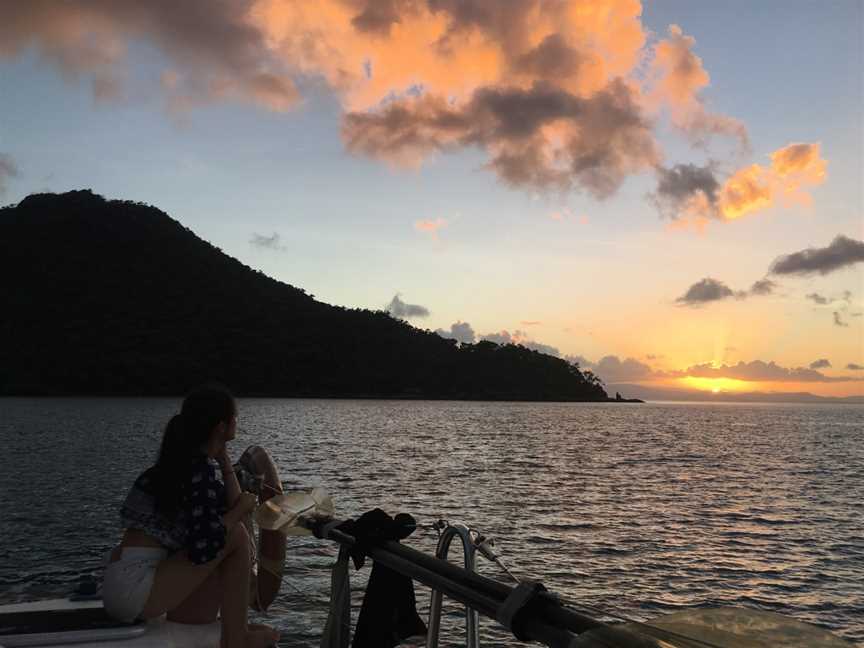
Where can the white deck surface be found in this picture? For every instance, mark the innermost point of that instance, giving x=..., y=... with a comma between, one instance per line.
x=158, y=633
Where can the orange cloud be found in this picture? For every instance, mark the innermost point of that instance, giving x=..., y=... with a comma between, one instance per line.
x=679, y=79
x=551, y=91
x=794, y=169
x=692, y=196
x=747, y=190
x=409, y=73
x=430, y=227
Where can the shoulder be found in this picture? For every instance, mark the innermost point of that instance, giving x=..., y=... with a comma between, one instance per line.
x=203, y=468
x=146, y=479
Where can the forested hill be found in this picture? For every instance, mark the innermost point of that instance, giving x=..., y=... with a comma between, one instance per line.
x=115, y=297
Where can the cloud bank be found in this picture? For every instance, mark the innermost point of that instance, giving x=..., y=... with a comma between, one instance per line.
x=555, y=93
x=464, y=333
x=521, y=338
x=613, y=369
x=759, y=371
x=459, y=331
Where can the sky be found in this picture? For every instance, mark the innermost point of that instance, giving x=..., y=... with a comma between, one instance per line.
x=669, y=193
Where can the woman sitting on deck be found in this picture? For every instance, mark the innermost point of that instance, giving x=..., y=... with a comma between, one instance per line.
x=184, y=549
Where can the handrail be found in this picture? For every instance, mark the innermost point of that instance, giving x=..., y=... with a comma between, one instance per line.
x=472, y=630
x=544, y=620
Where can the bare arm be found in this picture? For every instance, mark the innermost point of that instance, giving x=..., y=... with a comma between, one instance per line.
x=232, y=487
x=245, y=504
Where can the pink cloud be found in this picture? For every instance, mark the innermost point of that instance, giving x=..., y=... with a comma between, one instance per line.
x=430, y=226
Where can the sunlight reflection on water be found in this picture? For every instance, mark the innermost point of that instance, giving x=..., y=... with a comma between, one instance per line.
x=641, y=509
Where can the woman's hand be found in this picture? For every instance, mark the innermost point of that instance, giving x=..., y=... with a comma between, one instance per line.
x=246, y=503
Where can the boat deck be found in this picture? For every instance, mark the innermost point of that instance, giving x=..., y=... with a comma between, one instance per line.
x=84, y=624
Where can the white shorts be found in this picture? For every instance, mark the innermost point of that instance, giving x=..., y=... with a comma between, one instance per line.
x=127, y=582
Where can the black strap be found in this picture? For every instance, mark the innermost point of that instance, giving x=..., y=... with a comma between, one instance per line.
x=521, y=597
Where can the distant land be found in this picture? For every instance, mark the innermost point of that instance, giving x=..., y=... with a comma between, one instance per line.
x=649, y=393
x=111, y=297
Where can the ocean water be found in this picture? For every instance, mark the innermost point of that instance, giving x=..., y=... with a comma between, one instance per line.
x=635, y=510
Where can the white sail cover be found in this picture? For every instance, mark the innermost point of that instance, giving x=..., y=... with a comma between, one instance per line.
x=730, y=627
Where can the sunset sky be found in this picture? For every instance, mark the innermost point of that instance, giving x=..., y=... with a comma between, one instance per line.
x=670, y=192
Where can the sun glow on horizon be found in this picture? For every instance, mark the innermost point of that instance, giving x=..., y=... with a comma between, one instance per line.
x=715, y=385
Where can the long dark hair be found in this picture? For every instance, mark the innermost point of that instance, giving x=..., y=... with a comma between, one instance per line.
x=203, y=409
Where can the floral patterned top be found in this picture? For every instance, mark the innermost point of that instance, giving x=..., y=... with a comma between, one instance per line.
x=198, y=527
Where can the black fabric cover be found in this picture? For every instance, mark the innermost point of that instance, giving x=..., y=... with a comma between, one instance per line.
x=389, y=611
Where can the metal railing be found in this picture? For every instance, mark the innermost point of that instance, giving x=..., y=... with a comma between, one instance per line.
x=529, y=611
x=472, y=630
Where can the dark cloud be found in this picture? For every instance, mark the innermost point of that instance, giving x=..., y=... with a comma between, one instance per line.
x=710, y=290
x=763, y=287
x=605, y=137
x=855, y=367
x=758, y=371
x=398, y=308
x=838, y=319
x=378, y=16
x=705, y=291
x=218, y=52
x=816, y=298
x=272, y=242
x=821, y=363
x=842, y=252
x=8, y=169
x=459, y=331
x=552, y=59
x=504, y=22
x=685, y=189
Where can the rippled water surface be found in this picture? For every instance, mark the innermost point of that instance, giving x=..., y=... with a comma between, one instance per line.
x=636, y=509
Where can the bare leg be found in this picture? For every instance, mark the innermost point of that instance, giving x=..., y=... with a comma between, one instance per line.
x=202, y=605
x=177, y=578
x=235, y=593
